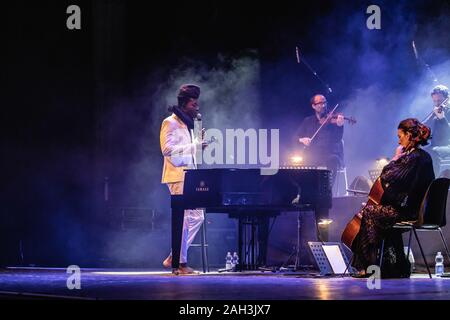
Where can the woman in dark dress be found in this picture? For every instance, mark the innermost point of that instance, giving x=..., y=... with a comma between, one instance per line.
x=405, y=181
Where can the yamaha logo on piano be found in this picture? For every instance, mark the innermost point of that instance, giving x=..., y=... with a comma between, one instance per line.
x=202, y=188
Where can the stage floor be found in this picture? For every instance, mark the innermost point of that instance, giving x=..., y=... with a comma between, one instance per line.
x=45, y=283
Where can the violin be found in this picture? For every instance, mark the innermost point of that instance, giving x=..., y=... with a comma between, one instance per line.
x=443, y=106
x=332, y=118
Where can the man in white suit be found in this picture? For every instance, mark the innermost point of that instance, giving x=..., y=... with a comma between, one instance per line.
x=179, y=146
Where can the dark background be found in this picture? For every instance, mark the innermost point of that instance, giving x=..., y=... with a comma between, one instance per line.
x=82, y=108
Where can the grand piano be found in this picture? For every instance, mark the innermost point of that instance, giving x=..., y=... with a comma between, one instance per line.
x=246, y=194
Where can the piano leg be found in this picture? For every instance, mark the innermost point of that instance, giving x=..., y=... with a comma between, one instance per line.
x=241, y=257
x=177, y=230
x=253, y=244
x=252, y=240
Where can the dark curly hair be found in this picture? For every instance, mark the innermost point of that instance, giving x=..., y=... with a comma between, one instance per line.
x=440, y=89
x=420, y=133
x=186, y=93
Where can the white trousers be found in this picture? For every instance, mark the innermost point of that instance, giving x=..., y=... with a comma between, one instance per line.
x=192, y=222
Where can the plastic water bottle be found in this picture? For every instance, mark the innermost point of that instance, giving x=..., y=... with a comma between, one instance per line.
x=439, y=266
x=228, y=259
x=235, y=261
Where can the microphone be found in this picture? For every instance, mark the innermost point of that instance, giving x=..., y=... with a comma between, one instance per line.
x=297, y=54
x=198, y=117
x=415, y=50
x=420, y=60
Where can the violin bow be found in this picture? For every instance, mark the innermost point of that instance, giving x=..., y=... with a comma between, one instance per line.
x=327, y=118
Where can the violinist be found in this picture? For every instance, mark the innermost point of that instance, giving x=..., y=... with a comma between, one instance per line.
x=404, y=181
x=326, y=147
x=440, y=144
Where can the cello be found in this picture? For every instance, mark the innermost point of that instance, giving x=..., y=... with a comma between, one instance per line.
x=353, y=227
x=377, y=191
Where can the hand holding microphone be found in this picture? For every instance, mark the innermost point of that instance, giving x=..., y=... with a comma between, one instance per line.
x=201, y=137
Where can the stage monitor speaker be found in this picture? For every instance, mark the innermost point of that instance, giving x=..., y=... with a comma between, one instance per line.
x=361, y=183
x=330, y=257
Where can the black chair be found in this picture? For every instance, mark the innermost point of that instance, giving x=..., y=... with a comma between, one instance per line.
x=443, y=153
x=431, y=217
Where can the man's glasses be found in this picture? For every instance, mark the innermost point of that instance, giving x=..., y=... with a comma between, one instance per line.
x=320, y=103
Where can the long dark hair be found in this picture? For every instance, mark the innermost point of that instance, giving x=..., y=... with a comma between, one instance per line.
x=420, y=133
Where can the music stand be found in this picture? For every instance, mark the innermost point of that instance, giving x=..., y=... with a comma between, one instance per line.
x=296, y=251
x=330, y=257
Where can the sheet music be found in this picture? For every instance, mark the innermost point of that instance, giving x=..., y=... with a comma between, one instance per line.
x=335, y=258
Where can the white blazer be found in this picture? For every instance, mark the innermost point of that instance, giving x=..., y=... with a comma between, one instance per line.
x=177, y=148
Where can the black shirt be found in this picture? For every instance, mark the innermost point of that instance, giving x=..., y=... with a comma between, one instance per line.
x=441, y=131
x=327, y=142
